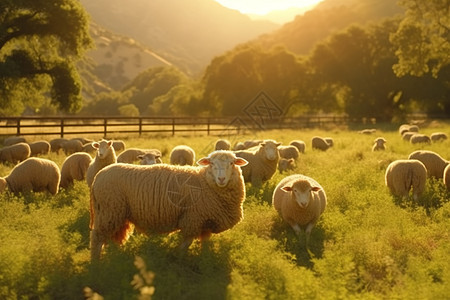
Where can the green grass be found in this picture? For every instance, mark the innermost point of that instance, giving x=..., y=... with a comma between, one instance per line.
x=367, y=244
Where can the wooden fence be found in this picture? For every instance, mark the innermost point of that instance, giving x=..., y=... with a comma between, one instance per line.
x=110, y=126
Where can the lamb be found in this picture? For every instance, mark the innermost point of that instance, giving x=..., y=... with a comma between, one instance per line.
x=403, y=174
x=72, y=146
x=39, y=148
x=379, y=144
x=286, y=164
x=150, y=158
x=447, y=177
x=301, y=146
x=288, y=152
x=105, y=156
x=182, y=155
x=420, y=138
x=300, y=201
x=74, y=167
x=162, y=198
x=131, y=155
x=119, y=145
x=319, y=143
x=56, y=144
x=15, y=153
x=438, y=136
x=34, y=174
x=434, y=163
x=12, y=140
x=262, y=162
x=222, y=144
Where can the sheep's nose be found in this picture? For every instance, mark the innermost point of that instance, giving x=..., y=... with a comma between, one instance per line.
x=221, y=179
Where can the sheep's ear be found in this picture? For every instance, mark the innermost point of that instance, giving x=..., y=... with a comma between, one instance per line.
x=95, y=145
x=315, y=189
x=278, y=144
x=240, y=162
x=287, y=188
x=292, y=160
x=204, y=161
x=110, y=143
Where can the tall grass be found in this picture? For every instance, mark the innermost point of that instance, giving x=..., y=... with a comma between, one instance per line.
x=367, y=244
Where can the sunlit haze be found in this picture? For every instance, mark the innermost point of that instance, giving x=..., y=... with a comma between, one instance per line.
x=262, y=7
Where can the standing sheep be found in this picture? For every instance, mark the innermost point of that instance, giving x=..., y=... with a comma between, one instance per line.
x=379, y=144
x=447, y=177
x=434, y=163
x=34, y=174
x=301, y=146
x=262, y=162
x=39, y=148
x=222, y=144
x=420, y=138
x=319, y=143
x=119, y=145
x=300, y=201
x=150, y=158
x=105, y=156
x=407, y=136
x=12, y=140
x=289, y=152
x=402, y=175
x=15, y=153
x=182, y=155
x=131, y=155
x=72, y=146
x=162, y=198
x=286, y=164
x=74, y=167
x=56, y=144
x=438, y=136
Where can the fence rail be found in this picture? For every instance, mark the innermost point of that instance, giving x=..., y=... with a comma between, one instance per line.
x=108, y=126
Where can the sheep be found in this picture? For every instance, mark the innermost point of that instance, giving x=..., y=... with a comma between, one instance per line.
x=288, y=152
x=319, y=143
x=56, y=144
x=72, y=146
x=438, y=136
x=408, y=128
x=162, y=198
x=182, y=155
x=119, y=145
x=330, y=141
x=39, y=147
x=407, y=136
x=105, y=156
x=222, y=144
x=300, y=201
x=15, y=153
x=88, y=148
x=367, y=131
x=447, y=177
x=12, y=140
x=131, y=155
x=403, y=174
x=150, y=158
x=262, y=162
x=379, y=144
x=286, y=164
x=420, y=138
x=83, y=140
x=434, y=163
x=301, y=146
x=239, y=146
x=74, y=167
x=252, y=143
x=34, y=174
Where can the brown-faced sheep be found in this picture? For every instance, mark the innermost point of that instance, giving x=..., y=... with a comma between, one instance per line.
x=438, y=136
x=222, y=144
x=74, y=167
x=39, y=148
x=434, y=163
x=286, y=164
x=403, y=174
x=104, y=157
x=300, y=201
x=34, y=174
x=182, y=155
x=420, y=139
x=161, y=198
x=301, y=145
x=379, y=144
x=15, y=153
x=289, y=152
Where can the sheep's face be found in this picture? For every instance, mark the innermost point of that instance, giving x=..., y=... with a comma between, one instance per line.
x=149, y=159
x=380, y=142
x=270, y=149
x=103, y=148
x=286, y=164
x=301, y=192
x=221, y=166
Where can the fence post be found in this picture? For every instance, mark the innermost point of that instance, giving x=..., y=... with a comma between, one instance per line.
x=105, y=127
x=173, y=126
x=208, y=124
x=62, y=127
x=140, y=126
x=18, y=126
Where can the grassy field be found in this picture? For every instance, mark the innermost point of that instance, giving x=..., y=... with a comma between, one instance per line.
x=367, y=245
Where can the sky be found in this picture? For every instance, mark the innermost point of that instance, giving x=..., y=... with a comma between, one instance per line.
x=262, y=7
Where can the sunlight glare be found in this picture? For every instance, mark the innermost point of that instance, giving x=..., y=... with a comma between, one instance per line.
x=262, y=7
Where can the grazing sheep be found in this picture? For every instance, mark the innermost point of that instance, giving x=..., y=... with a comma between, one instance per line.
x=408, y=128
x=163, y=198
x=12, y=140
x=130, y=155
x=83, y=140
x=434, y=163
x=88, y=148
x=407, y=136
x=239, y=146
x=39, y=147
x=288, y=152
x=56, y=144
x=367, y=131
x=182, y=155
x=438, y=136
x=420, y=139
x=72, y=146
x=330, y=141
x=447, y=177
x=150, y=158
x=301, y=146
x=379, y=144
x=119, y=145
x=34, y=174
x=15, y=153
x=300, y=201
x=74, y=167
x=403, y=174
x=105, y=156
x=222, y=144
x=286, y=164
x=262, y=162
x=319, y=143
x=252, y=143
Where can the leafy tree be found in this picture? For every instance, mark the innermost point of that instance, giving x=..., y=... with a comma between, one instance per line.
x=40, y=41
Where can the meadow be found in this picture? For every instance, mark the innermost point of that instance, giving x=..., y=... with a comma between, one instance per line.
x=367, y=244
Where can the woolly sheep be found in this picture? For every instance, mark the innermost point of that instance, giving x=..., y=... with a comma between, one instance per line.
x=262, y=163
x=288, y=152
x=330, y=141
x=319, y=143
x=420, y=138
x=56, y=144
x=182, y=155
x=222, y=144
x=105, y=156
x=197, y=201
x=239, y=146
x=434, y=163
x=379, y=144
x=367, y=131
x=150, y=158
x=252, y=143
x=74, y=167
x=300, y=201
x=15, y=153
x=438, y=136
x=403, y=174
x=72, y=146
x=39, y=147
x=286, y=164
x=301, y=146
x=34, y=174
x=12, y=140
x=88, y=148
x=119, y=145
x=408, y=128
x=131, y=155
x=407, y=136
x=83, y=140
x=447, y=177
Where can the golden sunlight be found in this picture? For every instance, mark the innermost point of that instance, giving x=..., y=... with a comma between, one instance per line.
x=262, y=7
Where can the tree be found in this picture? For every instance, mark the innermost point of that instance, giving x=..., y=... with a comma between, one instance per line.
x=40, y=42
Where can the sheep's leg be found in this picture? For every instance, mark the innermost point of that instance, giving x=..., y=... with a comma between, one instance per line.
x=308, y=230
x=96, y=244
x=184, y=245
x=297, y=229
